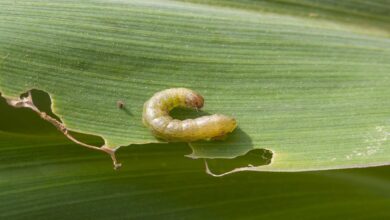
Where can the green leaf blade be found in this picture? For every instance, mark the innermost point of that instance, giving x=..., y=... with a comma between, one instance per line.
x=314, y=92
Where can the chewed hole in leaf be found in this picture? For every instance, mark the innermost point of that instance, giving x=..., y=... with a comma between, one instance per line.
x=42, y=101
x=22, y=120
x=253, y=158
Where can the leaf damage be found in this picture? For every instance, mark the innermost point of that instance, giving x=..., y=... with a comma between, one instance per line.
x=250, y=161
x=26, y=101
x=253, y=158
x=307, y=94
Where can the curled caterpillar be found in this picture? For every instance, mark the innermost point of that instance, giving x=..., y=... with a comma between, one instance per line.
x=156, y=117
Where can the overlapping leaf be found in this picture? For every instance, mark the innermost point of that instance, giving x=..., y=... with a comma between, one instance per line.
x=45, y=176
x=315, y=92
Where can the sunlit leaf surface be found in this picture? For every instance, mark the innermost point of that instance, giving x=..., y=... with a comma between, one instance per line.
x=312, y=88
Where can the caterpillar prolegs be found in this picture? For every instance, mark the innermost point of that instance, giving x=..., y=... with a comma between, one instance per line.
x=156, y=117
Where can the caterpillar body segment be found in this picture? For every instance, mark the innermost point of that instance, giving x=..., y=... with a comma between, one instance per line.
x=156, y=117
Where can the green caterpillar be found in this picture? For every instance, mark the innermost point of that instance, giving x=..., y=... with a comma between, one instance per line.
x=156, y=117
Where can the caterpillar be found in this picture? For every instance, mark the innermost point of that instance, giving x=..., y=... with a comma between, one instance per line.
x=156, y=117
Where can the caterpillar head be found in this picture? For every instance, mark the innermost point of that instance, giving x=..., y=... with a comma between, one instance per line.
x=194, y=100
